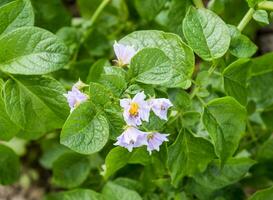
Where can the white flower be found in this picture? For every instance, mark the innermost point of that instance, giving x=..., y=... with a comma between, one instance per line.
x=123, y=53
x=160, y=107
x=154, y=140
x=131, y=138
x=135, y=110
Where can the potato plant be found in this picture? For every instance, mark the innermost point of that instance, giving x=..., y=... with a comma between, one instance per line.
x=136, y=99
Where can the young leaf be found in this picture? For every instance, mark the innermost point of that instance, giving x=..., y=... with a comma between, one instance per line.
x=216, y=177
x=115, y=83
x=36, y=104
x=96, y=70
x=150, y=66
x=149, y=9
x=209, y=30
x=235, y=78
x=225, y=120
x=9, y=165
x=263, y=194
x=16, y=14
x=70, y=170
x=31, y=50
x=253, y=3
x=86, y=131
x=181, y=56
x=240, y=45
x=188, y=156
x=118, y=157
x=261, y=16
x=116, y=192
x=99, y=94
x=75, y=194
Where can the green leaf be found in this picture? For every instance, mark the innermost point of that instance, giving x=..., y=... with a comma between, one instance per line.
x=194, y=152
x=177, y=12
x=99, y=94
x=31, y=50
x=118, y=157
x=216, y=177
x=51, y=14
x=225, y=120
x=52, y=150
x=260, y=88
x=149, y=9
x=75, y=194
x=96, y=70
x=263, y=194
x=16, y=14
x=267, y=117
x=113, y=113
x=70, y=170
x=235, y=78
x=265, y=151
x=86, y=130
x=7, y=128
x=115, y=83
x=209, y=30
x=261, y=16
x=36, y=104
x=240, y=45
x=150, y=66
x=9, y=165
x=116, y=192
x=181, y=56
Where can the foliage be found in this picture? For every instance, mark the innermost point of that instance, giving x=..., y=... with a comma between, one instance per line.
x=212, y=140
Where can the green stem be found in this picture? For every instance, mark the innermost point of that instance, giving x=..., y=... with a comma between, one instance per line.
x=198, y=3
x=98, y=11
x=266, y=5
x=246, y=19
x=251, y=131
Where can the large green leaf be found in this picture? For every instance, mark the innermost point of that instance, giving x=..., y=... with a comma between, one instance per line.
x=206, y=33
x=118, y=157
x=16, y=14
x=7, y=128
x=31, y=50
x=179, y=53
x=263, y=194
x=149, y=9
x=86, y=130
x=70, y=170
x=9, y=165
x=235, y=78
x=260, y=88
x=225, y=120
x=216, y=177
x=150, y=66
x=36, y=104
x=188, y=156
x=114, y=191
x=76, y=194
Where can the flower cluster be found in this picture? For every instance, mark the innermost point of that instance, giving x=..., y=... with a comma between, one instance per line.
x=137, y=110
x=75, y=97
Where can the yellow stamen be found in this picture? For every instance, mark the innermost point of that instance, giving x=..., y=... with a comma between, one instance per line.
x=134, y=109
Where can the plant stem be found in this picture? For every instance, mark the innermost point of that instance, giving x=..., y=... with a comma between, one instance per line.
x=266, y=5
x=246, y=19
x=98, y=11
x=198, y=3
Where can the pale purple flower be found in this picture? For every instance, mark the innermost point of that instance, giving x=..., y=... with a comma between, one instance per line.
x=131, y=138
x=160, y=107
x=154, y=140
x=136, y=110
x=75, y=97
x=123, y=53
